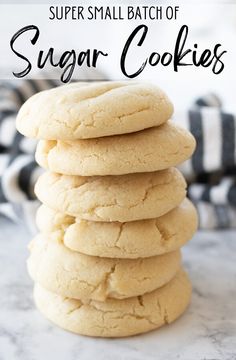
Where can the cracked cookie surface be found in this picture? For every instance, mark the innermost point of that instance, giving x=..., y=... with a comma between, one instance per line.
x=89, y=110
x=130, y=240
x=152, y=149
x=113, y=198
x=80, y=276
x=117, y=318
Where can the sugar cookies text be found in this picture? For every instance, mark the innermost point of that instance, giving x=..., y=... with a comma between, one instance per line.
x=180, y=56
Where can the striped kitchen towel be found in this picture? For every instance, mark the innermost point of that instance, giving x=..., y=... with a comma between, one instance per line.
x=211, y=173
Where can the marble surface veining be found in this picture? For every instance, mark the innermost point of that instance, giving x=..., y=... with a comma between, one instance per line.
x=207, y=331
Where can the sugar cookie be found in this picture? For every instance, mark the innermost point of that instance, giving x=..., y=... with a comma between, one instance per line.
x=129, y=240
x=117, y=318
x=152, y=149
x=113, y=198
x=89, y=110
x=80, y=276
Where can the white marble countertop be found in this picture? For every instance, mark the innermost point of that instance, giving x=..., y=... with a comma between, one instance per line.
x=207, y=331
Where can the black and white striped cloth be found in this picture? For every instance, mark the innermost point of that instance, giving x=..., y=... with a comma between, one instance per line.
x=211, y=173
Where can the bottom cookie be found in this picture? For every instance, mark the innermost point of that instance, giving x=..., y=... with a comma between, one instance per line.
x=117, y=318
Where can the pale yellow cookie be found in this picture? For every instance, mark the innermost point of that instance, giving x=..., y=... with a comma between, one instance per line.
x=80, y=276
x=117, y=318
x=90, y=110
x=129, y=240
x=152, y=149
x=113, y=198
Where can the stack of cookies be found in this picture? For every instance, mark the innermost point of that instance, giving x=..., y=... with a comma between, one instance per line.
x=107, y=260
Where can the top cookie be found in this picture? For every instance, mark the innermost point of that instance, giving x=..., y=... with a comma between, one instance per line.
x=89, y=110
